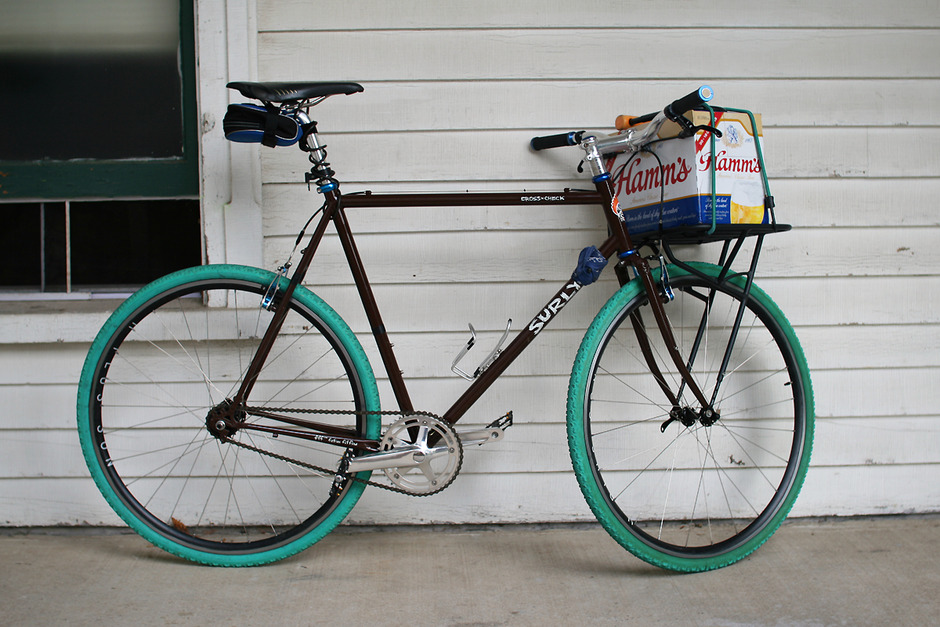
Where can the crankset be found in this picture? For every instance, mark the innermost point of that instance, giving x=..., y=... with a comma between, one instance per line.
x=419, y=453
x=426, y=468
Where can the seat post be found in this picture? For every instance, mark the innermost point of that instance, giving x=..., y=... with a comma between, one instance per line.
x=320, y=174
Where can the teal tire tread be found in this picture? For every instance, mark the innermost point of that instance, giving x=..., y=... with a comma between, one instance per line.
x=260, y=277
x=581, y=459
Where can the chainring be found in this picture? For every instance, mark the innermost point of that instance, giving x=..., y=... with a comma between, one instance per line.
x=438, y=454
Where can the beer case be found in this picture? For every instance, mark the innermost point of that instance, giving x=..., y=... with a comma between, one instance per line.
x=694, y=180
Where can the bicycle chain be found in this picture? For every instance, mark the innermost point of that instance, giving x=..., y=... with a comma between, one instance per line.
x=326, y=471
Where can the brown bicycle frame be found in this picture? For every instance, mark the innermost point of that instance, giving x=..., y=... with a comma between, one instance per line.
x=334, y=212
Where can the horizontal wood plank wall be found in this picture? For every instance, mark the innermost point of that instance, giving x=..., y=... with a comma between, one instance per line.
x=453, y=92
x=452, y=97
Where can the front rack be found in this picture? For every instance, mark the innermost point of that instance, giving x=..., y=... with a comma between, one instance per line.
x=707, y=233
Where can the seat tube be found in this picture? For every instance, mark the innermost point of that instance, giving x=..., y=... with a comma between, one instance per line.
x=367, y=297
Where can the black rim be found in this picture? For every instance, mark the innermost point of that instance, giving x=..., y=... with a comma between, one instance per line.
x=281, y=538
x=787, y=482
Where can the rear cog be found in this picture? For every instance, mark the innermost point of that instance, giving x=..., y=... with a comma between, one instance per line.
x=436, y=458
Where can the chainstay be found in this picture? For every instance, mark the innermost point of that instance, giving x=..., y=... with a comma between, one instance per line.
x=320, y=469
x=340, y=412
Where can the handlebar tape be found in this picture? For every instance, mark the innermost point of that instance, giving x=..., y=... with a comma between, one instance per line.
x=556, y=141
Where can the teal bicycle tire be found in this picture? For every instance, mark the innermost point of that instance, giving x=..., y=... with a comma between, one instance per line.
x=622, y=457
x=161, y=362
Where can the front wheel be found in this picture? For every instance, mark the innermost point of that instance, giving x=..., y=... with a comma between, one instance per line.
x=166, y=361
x=668, y=482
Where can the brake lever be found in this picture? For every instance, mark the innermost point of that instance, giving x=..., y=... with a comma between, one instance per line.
x=688, y=129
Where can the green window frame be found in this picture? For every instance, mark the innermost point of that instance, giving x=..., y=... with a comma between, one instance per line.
x=172, y=177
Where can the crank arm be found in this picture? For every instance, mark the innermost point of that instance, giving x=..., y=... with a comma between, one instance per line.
x=405, y=456
x=480, y=436
x=491, y=433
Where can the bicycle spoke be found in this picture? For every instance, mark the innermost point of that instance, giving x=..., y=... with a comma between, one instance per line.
x=678, y=484
x=234, y=491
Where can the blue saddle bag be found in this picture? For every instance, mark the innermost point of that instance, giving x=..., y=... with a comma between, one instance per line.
x=253, y=124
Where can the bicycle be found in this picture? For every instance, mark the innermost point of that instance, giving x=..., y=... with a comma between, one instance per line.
x=231, y=417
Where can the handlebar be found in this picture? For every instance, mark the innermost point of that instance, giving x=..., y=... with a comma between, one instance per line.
x=556, y=141
x=696, y=99
x=631, y=139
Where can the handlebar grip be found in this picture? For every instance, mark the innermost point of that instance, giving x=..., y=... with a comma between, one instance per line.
x=698, y=97
x=556, y=141
x=623, y=122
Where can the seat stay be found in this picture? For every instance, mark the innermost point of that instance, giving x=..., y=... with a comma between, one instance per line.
x=274, y=326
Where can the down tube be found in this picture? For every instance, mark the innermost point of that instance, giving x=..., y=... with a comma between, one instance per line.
x=520, y=343
x=478, y=199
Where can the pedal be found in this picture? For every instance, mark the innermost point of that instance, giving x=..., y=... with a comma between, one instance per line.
x=491, y=433
x=486, y=362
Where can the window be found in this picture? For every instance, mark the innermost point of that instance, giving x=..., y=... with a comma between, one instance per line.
x=93, y=246
x=99, y=169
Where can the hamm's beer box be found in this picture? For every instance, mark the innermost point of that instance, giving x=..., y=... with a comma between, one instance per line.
x=680, y=193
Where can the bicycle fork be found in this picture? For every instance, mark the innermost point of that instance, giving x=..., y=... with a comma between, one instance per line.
x=707, y=415
x=620, y=240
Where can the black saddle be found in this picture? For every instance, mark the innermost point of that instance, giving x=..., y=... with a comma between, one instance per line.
x=291, y=92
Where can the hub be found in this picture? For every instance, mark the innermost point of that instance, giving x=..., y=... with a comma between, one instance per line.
x=222, y=420
x=708, y=417
x=688, y=417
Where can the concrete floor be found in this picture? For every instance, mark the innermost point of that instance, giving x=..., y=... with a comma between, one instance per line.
x=874, y=571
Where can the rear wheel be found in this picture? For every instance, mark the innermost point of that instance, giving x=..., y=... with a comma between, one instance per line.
x=157, y=377
x=671, y=483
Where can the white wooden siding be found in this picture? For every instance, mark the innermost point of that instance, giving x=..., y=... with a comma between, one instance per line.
x=453, y=92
